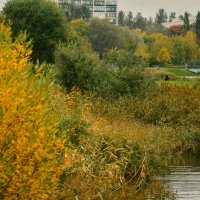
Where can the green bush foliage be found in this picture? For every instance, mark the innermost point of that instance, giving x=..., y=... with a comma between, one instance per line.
x=172, y=105
x=121, y=58
x=79, y=66
x=76, y=64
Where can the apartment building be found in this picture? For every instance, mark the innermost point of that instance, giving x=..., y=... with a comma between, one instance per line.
x=103, y=9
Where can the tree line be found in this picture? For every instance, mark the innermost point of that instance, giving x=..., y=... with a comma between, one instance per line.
x=154, y=25
x=145, y=42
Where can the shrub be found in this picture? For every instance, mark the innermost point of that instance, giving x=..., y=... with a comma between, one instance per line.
x=76, y=63
x=120, y=58
x=172, y=105
x=32, y=155
x=128, y=82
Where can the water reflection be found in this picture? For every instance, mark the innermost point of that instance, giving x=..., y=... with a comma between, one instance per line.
x=158, y=190
x=182, y=183
x=185, y=181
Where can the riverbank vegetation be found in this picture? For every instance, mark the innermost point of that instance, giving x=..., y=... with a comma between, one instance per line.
x=91, y=122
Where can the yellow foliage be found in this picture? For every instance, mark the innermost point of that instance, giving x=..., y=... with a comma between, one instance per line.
x=191, y=45
x=143, y=54
x=77, y=22
x=163, y=56
x=140, y=32
x=30, y=152
x=158, y=36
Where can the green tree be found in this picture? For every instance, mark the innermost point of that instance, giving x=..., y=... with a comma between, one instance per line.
x=129, y=19
x=120, y=58
x=181, y=17
x=121, y=18
x=76, y=63
x=186, y=21
x=172, y=16
x=191, y=46
x=73, y=11
x=139, y=21
x=161, y=16
x=105, y=36
x=197, y=27
x=42, y=20
x=152, y=27
x=178, y=55
x=79, y=28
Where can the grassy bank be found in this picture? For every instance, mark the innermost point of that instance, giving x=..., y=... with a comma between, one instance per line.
x=177, y=76
x=173, y=72
x=127, y=141
x=178, y=71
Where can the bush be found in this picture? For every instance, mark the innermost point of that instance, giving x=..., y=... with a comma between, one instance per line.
x=43, y=21
x=120, y=58
x=172, y=105
x=124, y=82
x=76, y=63
x=32, y=154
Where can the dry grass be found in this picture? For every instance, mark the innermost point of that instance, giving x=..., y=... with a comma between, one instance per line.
x=124, y=127
x=113, y=153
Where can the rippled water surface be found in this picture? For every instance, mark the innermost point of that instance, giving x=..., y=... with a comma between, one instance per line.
x=182, y=183
x=185, y=181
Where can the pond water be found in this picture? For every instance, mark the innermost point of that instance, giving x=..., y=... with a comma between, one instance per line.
x=182, y=183
x=196, y=71
x=185, y=182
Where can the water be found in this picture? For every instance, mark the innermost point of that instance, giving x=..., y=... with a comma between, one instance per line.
x=196, y=71
x=182, y=183
x=185, y=182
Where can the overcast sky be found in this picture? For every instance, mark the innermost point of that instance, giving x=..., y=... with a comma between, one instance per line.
x=150, y=7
